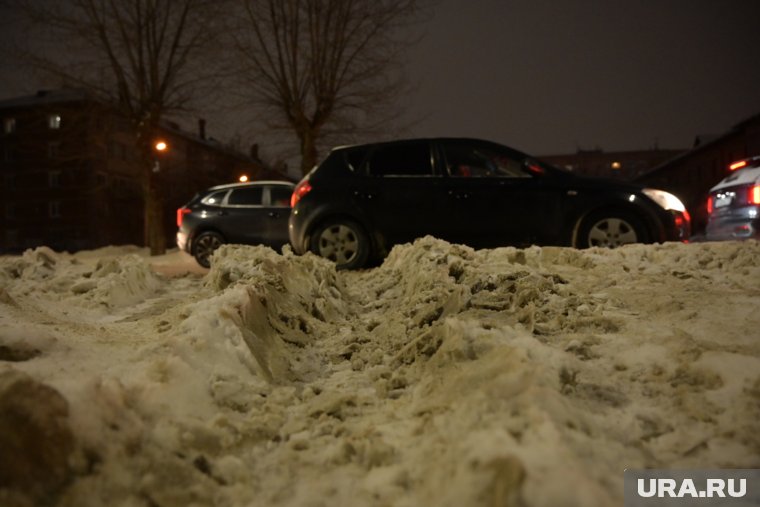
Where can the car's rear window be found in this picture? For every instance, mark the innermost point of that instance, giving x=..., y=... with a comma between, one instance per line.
x=403, y=159
x=215, y=198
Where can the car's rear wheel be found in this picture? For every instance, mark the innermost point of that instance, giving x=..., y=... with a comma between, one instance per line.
x=342, y=241
x=611, y=229
x=205, y=245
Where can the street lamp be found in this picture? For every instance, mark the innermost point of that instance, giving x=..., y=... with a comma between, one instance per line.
x=243, y=178
x=161, y=147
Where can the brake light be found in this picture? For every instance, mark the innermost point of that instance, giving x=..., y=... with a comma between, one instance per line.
x=737, y=165
x=710, y=205
x=754, y=194
x=181, y=212
x=301, y=190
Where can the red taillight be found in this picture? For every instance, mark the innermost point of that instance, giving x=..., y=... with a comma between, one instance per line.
x=181, y=212
x=737, y=165
x=754, y=194
x=301, y=190
x=710, y=205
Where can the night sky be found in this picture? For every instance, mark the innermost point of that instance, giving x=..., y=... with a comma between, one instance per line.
x=553, y=76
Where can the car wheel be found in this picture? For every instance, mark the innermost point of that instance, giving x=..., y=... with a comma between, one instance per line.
x=342, y=241
x=611, y=229
x=205, y=245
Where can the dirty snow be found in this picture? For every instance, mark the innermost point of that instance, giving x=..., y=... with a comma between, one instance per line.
x=446, y=376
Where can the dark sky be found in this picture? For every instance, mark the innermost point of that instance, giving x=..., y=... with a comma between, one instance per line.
x=551, y=76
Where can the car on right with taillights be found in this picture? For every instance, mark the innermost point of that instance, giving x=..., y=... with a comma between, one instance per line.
x=733, y=205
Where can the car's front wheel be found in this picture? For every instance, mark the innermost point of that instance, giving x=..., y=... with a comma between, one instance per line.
x=342, y=241
x=611, y=229
x=205, y=245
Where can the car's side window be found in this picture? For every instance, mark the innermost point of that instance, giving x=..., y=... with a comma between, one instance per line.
x=249, y=196
x=406, y=159
x=355, y=157
x=215, y=199
x=279, y=196
x=472, y=161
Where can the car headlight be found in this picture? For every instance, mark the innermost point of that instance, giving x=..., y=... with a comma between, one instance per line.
x=665, y=199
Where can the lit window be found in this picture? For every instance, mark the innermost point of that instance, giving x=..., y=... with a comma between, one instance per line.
x=54, y=121
x=54, y=179
x=9, y=125
x=54, y=209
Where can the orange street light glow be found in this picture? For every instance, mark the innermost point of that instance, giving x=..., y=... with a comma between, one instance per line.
x=243, y=178
x=161, y=146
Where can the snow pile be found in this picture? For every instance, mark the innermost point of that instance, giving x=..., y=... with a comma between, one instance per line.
x=113, y=282
x=446, y=376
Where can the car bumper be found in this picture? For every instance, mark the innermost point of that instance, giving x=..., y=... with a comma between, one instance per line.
x=182, y=241
x=681, y=226
x=737, y=224
x=299, y=241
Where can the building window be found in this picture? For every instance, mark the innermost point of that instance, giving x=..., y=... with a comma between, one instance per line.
x=9, y=125
x=54, y=209
x=117, y=150
x=54, y=121
x=54, y=179
x=54, y=149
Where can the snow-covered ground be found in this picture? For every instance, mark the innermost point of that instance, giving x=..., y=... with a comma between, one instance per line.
x=445, y=377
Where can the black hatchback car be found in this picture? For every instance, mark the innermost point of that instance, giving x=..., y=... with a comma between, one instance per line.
x=247, y=213
x=362, y=200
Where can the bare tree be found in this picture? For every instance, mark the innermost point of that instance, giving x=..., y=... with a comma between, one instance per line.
x=324, y=66
x=141, y=56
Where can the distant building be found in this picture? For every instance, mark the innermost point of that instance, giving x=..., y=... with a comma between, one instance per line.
x=691, y=175
x=70, y=176
x=618, y=165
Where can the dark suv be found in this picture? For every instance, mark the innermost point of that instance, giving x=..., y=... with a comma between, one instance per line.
x=249, y=213
x=362, y=200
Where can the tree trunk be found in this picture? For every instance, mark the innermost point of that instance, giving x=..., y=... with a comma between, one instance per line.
x=308, y=150
x=153, y=209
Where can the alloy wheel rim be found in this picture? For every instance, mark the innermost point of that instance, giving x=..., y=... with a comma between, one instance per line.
x=206, y=246
x=611, y=233
x=339, y=243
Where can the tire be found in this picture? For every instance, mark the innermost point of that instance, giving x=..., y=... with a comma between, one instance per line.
x=342, y=241
x=611, y=229
x=205, y=245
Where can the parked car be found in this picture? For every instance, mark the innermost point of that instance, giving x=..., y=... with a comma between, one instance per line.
x=362, y=200
x=733, y=205
x=253, y=213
